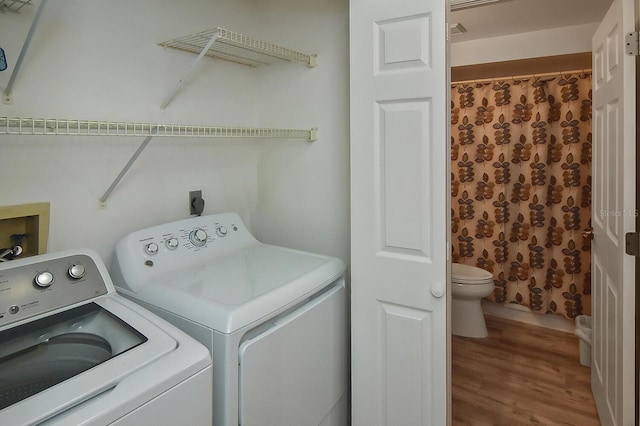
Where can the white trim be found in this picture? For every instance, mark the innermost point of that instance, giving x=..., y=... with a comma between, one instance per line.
x=523, y=314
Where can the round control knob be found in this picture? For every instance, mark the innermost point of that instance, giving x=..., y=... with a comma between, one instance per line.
x=198, y=237
x=221, y=231
x=44, y=279
x=76, y=271
x=151, y=248
x=172, y=243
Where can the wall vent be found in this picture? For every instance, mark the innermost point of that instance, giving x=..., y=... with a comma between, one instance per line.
x=464, y=4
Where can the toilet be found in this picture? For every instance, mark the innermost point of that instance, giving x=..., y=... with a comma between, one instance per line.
x=468, y=286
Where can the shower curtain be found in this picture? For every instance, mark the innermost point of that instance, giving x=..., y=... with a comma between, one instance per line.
x=521, y=188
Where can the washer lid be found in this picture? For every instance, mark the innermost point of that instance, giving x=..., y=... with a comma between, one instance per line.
x=467, y=274
x=115, y=345
x=235, y=290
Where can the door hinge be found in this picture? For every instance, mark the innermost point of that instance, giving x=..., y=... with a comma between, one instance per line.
x=632, y=243
x=632, y=44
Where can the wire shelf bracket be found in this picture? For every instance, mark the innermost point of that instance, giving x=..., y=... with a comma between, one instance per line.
x=52, y=126
x=125, y=169
x=220, y=43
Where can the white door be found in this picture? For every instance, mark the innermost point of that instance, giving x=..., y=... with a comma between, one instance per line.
x=399, y=221
x=614, y=170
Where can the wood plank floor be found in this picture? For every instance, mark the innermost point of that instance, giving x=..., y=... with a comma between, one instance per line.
x=520, y=375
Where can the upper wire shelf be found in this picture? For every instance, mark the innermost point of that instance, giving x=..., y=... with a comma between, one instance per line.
x=51, y=126
x=234, y=47
x=13, y=5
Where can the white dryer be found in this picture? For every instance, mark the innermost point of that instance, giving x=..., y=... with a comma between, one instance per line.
x=73, y=352
x=273, y=318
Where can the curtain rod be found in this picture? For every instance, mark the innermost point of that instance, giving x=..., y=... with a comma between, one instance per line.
x=522, y=77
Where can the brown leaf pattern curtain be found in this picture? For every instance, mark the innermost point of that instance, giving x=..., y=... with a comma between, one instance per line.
x=521, y=188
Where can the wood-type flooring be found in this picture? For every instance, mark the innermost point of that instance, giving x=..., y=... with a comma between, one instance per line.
x=520, y=375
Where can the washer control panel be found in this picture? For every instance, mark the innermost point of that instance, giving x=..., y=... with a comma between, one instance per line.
x=42, y=286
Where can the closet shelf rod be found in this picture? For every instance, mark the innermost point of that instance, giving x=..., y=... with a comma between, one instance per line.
x=7, y=98
x=52, y=126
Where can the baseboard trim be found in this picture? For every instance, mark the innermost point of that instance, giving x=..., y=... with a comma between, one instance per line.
x=523, y=314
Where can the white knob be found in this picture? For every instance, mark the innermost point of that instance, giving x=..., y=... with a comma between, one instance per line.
x=151, y=248
x=44, y=279
x=76, y=271
x=437, y=290
x=221, y=231
x=198, y=237
x=172, y=243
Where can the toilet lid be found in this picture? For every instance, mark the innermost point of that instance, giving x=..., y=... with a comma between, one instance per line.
x=467, y=274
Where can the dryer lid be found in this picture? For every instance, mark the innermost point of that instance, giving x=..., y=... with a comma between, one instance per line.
x=468, y=274
x=233, y=291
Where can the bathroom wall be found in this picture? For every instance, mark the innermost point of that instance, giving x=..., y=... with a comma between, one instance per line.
x=92, y=59
x=558, y=41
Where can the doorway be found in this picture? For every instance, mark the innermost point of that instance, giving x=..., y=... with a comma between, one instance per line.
x=488, y=97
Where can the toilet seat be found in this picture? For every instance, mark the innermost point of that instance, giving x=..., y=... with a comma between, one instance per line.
x=471, y=282
x=467, y=274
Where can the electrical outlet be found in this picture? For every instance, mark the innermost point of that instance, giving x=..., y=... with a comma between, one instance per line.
x=196, y=202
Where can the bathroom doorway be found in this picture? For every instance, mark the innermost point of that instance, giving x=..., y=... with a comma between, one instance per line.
x=628, y=7
x=512, y=139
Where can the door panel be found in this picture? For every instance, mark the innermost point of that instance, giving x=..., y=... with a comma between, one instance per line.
x=295, y=373
x=404, y=207
x=407, y=344
x=614, y=169
x=400, y=228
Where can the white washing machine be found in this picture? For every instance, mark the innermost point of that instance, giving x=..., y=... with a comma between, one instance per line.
x=73, y=352
x=273, y=318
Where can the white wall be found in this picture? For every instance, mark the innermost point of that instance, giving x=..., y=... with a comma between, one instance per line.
x=558, y=41
x=92, y=59
x=304, y=188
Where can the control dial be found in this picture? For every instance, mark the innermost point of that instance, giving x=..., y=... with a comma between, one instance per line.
x=43, y=279
x=221, y=231
x=76, y=271
x=198, y=237
x=172, y=243
x=151, y=248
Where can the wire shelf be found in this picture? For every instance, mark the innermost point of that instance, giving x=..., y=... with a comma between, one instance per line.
x=13, y=5
x=234, y=47
x=52, y=126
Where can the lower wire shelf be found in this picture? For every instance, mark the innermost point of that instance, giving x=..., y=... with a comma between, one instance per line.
x=52, y=126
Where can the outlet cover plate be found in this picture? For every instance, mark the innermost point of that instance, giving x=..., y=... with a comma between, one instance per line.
x=193, y=195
